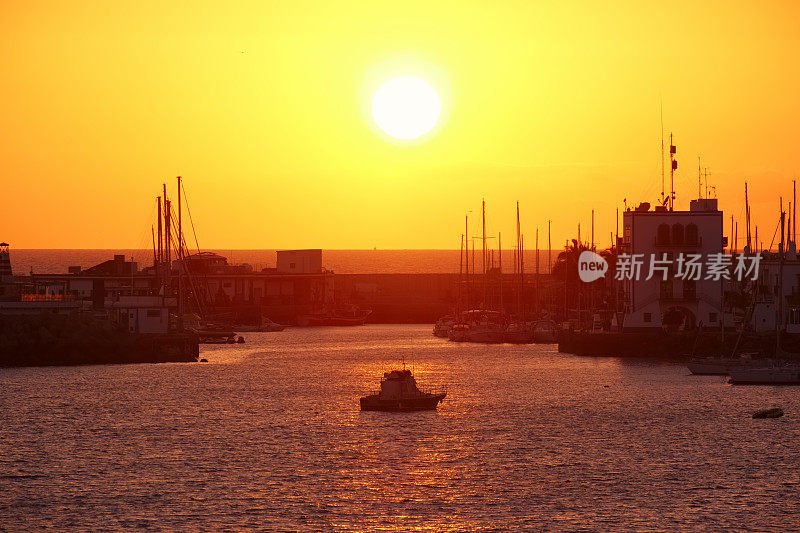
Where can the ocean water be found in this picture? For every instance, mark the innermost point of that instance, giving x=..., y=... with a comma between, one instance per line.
x=268, y=435
x=340, y=261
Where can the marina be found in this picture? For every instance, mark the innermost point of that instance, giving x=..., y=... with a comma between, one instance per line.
x=269, y=435
x=388, y=267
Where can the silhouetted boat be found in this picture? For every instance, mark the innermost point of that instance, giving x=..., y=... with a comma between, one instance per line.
x=399, y=392
x=266, y=325
x=443, y=326
x=716, y=366
x=479, y=325
x=458, y=332
x=786, y=374
x=518, y=333
x=545, y=332
x=335, y=318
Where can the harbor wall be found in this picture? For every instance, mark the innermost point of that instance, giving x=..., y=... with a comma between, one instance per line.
x=51, y=339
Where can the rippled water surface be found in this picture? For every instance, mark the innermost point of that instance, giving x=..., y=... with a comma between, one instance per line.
x=269, y=436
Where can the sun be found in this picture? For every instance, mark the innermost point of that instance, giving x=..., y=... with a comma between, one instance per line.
x=406, y=108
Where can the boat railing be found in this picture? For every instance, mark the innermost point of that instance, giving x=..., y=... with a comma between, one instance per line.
x=420, y=392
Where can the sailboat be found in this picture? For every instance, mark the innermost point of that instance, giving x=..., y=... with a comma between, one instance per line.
x=782, y=371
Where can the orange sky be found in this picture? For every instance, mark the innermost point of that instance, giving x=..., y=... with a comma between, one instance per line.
x=260, y=107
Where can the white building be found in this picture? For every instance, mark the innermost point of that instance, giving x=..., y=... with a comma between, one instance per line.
x=766, y=309
x=672, y=303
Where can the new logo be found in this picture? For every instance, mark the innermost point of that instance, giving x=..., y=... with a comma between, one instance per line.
x=591, y=266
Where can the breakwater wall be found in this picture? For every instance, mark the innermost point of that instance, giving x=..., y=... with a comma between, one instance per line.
x=57, y=339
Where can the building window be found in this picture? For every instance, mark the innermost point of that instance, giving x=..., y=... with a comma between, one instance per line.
x=712, y=317
x=663, y=234
x=648, y=317
x=691, y=234
x=292, y=265
x=154, y=313
x=677, y=234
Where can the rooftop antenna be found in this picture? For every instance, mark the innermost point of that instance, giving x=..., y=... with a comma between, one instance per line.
x=663, y=202
x=700, y=179
x=673, y=165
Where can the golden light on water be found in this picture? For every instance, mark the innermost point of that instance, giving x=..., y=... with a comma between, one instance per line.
x=406, y=108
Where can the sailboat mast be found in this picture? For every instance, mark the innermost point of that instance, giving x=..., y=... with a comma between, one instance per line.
x=155, y=252
x=460, y=274
x=518, y=266
x=779, y=307
x=500, y=268
x=748, y=246
x=483, y=254
x=180, y=259
x=536, y=310
x=466, y=256
x=167, y=239
x=160, y=239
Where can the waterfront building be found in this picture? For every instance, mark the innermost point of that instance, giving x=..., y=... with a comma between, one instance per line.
x=667, y=300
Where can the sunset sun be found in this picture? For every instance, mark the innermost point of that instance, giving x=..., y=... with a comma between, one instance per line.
x=406, y=108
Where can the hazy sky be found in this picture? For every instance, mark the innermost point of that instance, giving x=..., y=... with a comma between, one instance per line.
x=260, y=107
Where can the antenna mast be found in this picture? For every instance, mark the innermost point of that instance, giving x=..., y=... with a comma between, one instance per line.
x=662, y=152
x=700, y=179
x=673, y=164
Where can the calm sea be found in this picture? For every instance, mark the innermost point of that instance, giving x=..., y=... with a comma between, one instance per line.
x=269, y=436
x=340, y=261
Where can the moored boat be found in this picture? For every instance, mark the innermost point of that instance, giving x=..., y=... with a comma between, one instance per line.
x=717, y=366
x=786, y=374
x=518, y=333
x=443, y=326
x=399, y=392
x=335, y=318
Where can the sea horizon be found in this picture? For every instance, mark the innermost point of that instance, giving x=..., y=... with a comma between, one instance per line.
x=341, y=261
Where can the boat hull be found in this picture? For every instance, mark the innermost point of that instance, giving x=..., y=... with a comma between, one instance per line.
x=518, y=337
x=486, y=336
x=331, y=320
x=765, y=376
x=426, y=402
x=712, y=368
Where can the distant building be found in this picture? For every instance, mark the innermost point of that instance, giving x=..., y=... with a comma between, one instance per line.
x=299, y=262
x=672, y=303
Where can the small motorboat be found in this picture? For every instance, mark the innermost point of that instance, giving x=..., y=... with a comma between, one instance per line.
x=399, y=392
